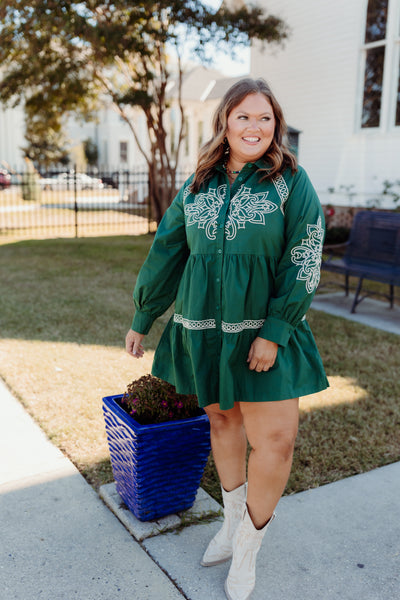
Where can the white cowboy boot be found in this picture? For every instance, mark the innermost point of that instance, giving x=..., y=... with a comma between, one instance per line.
x=246, y=543
x=220, y=548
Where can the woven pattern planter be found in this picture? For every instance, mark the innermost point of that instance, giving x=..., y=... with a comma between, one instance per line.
x=157, y=468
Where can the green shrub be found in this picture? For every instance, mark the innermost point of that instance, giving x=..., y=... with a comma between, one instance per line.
x=337, y=235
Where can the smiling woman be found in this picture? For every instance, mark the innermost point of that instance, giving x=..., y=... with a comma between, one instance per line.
x=250, y=131
x=239, y=252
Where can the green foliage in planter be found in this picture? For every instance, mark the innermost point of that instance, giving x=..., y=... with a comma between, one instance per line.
x=150, y=400
x=337, y=235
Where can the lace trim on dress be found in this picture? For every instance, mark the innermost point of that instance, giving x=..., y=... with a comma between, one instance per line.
x=238, y=327
x=190, y=324
x=211, y=324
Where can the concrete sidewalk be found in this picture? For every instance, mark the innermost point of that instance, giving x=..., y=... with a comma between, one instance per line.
x=59, y=541
x=371, y=312
x=337, y=542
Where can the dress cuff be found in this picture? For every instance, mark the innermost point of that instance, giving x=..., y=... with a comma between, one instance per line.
x=142, y=322
x=276, y=331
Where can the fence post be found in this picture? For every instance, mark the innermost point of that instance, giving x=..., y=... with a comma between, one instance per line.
x=75, y=203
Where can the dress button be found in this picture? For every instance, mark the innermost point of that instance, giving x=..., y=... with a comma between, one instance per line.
x=218, y=280
x=217, y=307
x=219, y=251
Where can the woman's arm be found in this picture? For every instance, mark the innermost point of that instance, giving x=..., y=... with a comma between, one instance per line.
x=160, y=275
x=298, y=271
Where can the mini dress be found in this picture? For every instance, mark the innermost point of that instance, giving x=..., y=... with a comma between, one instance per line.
x=239, y=262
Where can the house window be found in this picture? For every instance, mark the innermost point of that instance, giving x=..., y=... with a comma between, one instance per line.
x=200, y=133
x=373, y=81
x=186, y=136
x=398, y=102
x=381, y=82
x=123, y=152
x=105, y=152
x=375, y=46
x=172, y=135
x=397, y=122
x=376, y=21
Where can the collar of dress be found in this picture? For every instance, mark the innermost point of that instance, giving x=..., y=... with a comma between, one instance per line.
x=260, y=164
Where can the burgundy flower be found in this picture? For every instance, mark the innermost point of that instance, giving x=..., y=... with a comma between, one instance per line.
x=151, y=400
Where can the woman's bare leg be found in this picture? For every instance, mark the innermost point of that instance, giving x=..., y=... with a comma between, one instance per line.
x=271, y=429
x=229, y=445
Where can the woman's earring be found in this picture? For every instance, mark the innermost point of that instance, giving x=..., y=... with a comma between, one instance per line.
x=226, y=146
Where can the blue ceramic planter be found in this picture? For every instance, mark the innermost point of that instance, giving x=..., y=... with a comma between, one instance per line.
x=157, y=468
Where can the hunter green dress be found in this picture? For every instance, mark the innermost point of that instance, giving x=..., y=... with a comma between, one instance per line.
x=239, y=262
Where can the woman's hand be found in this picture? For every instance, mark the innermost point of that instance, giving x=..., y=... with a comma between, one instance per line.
x=262, y=355
x=133, y=343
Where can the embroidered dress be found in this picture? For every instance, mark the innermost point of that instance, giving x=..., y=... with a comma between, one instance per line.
x=239, y=262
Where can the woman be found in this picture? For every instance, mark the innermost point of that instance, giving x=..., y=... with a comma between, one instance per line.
x=239, y=251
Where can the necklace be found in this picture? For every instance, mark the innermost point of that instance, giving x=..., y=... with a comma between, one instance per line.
x=230, y=172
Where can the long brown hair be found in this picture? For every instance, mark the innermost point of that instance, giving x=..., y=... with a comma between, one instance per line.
x=213, y=152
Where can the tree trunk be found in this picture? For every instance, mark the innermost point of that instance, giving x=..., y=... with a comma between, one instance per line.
x=162, y=189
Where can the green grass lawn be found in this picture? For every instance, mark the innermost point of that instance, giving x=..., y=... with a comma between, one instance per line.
x=65, y=308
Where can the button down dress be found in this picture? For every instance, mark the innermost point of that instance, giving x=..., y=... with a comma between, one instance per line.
x=239, y=261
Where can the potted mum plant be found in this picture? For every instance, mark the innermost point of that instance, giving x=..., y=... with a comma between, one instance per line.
x=159, y=443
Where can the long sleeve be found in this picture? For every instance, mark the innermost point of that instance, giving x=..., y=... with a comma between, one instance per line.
x=159, y=277
x=298, y=270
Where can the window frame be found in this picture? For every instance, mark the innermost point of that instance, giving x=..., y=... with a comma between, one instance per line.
x=123, y=151
x=186, y=139
x=395, y=99
x=391, y=71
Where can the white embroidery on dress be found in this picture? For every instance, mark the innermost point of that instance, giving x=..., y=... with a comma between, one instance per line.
x=186, y=193
x=205, y=210
x=308, y=256
x=246, y=207
x=190, y=324
x=238, y=327
x=282, y=189
x=211, y=324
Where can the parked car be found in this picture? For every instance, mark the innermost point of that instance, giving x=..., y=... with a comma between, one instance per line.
x=5, y=179
x=66, y=181
x=110, y=180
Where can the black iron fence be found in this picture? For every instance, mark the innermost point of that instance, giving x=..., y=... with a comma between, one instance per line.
x=74, y=204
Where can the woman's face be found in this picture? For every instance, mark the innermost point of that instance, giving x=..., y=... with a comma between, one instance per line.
x=250, y=129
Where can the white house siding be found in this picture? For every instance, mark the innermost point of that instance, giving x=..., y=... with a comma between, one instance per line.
x=318, y=79
x=196, y=112
x=12, y=129
x=198, y=83
x=108, y=131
